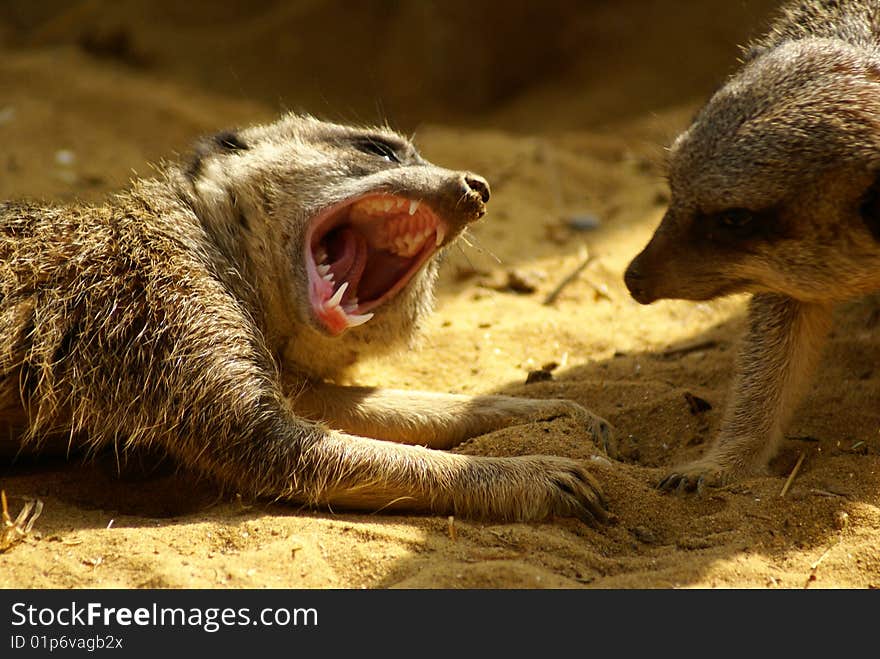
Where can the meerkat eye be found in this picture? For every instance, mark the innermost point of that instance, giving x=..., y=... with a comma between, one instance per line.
x=735, y=218
x=870, y=208
x=378, y=147
x=733, y=225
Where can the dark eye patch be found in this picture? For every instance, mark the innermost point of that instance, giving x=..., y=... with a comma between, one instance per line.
x=870, y=208
x=380, y=147
x=736, y=221
x=229, y=141
x=734, y=226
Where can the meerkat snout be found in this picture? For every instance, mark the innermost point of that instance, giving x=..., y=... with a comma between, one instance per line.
x=636, y=283
x=477, y=184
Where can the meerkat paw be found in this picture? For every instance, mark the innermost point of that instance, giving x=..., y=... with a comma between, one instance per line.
x=696, y=476
x=557, y=487
x=603, y=435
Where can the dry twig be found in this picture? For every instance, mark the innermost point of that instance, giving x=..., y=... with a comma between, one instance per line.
x=688, y=348
x=815, y=566
x=585, y=259
x=13, y=531
x=793, y=473
x=451, y=522
x=828, y=493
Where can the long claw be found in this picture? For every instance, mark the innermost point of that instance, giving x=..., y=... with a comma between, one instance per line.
x=587, y=517
x=667, y=483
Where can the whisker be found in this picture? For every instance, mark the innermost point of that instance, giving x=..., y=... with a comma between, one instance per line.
x=479, y=247
x=465, y=255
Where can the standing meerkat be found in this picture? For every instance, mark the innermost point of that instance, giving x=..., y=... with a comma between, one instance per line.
x=205, y=312
x=775, y=190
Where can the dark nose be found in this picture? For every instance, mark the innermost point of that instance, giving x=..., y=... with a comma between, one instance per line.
x=635, y=282
x=479, y=185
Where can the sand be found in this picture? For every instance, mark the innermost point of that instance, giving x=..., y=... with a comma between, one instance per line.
x=574, y=145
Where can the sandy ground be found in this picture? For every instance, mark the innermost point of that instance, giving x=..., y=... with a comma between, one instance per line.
x=73, y=126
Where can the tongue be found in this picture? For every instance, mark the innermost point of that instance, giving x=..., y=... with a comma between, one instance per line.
x=347, y=252
x=382, y=272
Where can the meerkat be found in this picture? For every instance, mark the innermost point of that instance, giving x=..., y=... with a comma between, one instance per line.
x=207, y=311
x=775, y=191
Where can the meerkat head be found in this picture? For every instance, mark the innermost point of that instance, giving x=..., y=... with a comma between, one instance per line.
x=340, y=225
x=775, y=186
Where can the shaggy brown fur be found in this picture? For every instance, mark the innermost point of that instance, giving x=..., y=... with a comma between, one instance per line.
x=188, y=314
x=776, y=191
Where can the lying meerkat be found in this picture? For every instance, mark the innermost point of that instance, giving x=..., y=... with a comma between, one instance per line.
x=775, y=190
x=205, y=311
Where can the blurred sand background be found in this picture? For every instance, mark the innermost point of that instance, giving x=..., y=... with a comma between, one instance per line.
x=565, y=106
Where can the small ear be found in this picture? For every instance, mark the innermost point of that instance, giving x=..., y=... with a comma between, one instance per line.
x=226, y=141
x=752, y=52
x=870, y=208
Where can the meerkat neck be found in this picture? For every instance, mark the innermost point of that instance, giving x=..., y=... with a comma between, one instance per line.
x=191, y=217
x=219, y=213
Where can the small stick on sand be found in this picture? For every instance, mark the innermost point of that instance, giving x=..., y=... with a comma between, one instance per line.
x=452, y=527
x=689, y=348
x=827, y=493
x=843, y=520
x=819, y=560
x=815, y=566
x=793, y=473
x=585, y=260
x=766, y=518
x=11, y=531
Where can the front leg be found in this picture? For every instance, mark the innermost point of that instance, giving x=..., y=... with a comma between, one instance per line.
x=780, y=351
x=277, y=455
x=436, y=420
x=236, y=426
x=368, y=474
x=265, y=449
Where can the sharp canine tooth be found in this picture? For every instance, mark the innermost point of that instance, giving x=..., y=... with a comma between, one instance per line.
x=413, y=207
x=337, y=296
x=441, y=234
x=358, y=319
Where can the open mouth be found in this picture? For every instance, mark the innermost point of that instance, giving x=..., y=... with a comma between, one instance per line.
x=362, y=252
